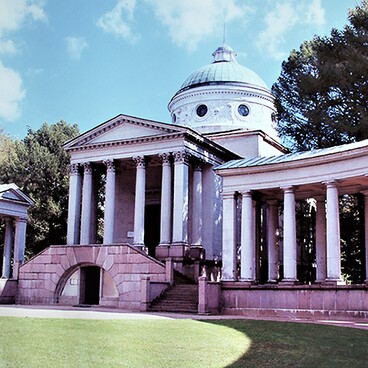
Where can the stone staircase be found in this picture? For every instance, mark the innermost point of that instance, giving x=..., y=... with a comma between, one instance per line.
x=182, y=297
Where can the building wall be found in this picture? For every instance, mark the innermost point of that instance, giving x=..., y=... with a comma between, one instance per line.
x=300, y=301
x=43, y=278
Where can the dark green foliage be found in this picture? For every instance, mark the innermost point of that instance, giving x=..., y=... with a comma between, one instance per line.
x=39, y=166
x=321, y=97
x=323, y=88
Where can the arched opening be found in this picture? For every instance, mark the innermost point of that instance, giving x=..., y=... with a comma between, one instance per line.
x=87, y=284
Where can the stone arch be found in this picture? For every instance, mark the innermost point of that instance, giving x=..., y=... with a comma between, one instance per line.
x=69, y=288
x=42, y=279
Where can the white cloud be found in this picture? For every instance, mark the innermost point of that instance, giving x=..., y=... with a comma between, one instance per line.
x=315, y=14
x=191, y=21
x=7, y=47
x=75, y=46
x=11, y=93
x=13, y=15
x=118, y=21
x=282, y=19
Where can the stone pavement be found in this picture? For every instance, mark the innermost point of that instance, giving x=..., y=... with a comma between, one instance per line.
x=42, y=311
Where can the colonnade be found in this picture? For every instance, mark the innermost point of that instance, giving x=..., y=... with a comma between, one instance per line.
x=175, y=206
x=328, y=253
x=14, y=243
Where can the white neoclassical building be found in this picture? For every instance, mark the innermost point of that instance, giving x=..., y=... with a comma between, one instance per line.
x=14, y=206
x=203, y=206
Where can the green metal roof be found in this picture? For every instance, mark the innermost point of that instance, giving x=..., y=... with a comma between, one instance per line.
x=224, y=69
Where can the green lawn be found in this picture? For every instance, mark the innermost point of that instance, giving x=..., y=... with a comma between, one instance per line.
x=33, y=342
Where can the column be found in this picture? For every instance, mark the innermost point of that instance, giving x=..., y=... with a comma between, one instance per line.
x=333, y=234
x=321, y=273
x=19, y=244
x=289, y=256
x=87, y=193
x=197, y=206
x=272, y=225
x=248, y=240
x=140, y=194
x=74, y=205
x=366, y=234
x=109, y=215
x=8, y=242
x=229, y=238
x=166, y=197
x=181, y=198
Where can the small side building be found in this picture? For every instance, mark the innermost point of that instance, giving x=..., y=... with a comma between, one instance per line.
x=14, y=205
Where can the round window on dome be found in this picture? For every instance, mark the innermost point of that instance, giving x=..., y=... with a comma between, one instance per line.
x=174, y=118
x=202, y=110
x=243, y=110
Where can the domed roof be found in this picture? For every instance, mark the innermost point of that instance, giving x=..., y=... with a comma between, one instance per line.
x=224, y=69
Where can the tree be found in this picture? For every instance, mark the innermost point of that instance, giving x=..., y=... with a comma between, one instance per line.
x=39, y=166
x=322, y=91
x=321, y=99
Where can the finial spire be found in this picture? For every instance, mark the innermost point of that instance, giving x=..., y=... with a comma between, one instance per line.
x=224, y=31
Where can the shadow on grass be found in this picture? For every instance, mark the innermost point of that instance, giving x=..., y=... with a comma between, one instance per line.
x=287, y=344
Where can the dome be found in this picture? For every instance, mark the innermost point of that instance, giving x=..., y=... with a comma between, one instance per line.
x=224, y=69
x=224, y=96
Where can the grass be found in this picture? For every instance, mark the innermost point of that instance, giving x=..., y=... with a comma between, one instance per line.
x=33, y=342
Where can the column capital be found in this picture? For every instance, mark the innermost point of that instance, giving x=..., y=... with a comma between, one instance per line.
x=198, y=164
x=288, y=189
x=21, y=219
x=246, y=193
x=110, y=165
x=331, y=183
x=87, y=167
x=228, y=195
x=140, y=161
x=165, y=158
x=181, y=157
x=74, y=169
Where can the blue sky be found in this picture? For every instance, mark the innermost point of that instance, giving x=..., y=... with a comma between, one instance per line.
x=86, y=61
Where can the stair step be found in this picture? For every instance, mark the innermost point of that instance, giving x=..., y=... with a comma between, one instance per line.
x=180, y=298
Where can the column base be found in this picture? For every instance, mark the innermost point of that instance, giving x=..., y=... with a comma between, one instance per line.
x=141, y=247
x=289, y=282
x=271, y=281
x=334, y=281
x=248, y=282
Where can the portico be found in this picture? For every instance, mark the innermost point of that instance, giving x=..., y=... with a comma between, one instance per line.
x=160, y=166
x=278, y=183
x=14, y=206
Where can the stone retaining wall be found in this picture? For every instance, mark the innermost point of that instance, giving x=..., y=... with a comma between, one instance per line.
x=42, y=279
x=298, y=300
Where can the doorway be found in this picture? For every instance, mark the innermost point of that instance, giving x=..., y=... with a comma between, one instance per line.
x=90, y=285
x=152, y=217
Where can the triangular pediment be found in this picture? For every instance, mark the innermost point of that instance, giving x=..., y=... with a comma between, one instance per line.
x=123, y=128
x=11, y=192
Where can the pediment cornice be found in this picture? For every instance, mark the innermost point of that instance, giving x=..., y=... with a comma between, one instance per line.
x=130, y=130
